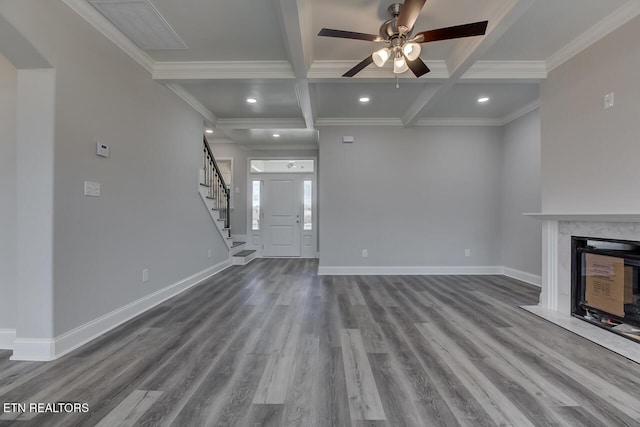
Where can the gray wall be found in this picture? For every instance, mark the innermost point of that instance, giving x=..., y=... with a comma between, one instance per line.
x=521, y=236
x=590, y=155
x=8, y=94
x=240, y=157
x=150, y=214
x=411, y=197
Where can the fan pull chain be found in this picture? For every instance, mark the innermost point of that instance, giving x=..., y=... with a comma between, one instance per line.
x=397, y=82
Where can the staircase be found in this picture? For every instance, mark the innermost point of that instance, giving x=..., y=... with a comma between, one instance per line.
x=216, y=196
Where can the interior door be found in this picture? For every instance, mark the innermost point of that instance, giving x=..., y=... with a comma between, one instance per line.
x=283, y=207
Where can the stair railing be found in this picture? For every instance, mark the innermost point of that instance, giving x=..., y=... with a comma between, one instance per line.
x=218, y=190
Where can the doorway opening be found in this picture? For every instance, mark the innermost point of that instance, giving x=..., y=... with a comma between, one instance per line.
x=282, y=219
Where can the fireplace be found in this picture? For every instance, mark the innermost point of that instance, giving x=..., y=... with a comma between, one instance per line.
x=557, y=302
x=605, y=284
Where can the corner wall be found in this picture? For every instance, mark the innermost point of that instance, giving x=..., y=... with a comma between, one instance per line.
x=521, y=236
x=8, y=256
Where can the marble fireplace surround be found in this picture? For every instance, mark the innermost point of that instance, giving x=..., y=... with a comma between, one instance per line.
x=555, y=296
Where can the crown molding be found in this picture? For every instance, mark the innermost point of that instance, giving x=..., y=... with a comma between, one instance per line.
x=102, y=24
x=193, y=102
x=335, y=69
x=507, y=70
x=458, y=122
x=358, y=121
x=222, y=70
x=521, y=112
x=249, y=123
x=272, y=147
x=397, y=122
x=618, y=18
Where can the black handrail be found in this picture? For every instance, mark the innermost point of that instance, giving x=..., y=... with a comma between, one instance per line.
x=218, y=189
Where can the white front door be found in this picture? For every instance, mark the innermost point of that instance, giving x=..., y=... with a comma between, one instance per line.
x=282, y=215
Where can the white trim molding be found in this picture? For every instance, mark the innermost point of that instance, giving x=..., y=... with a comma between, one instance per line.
x=459, y=122
x=358, y=121
x=222, y=70
x=266, y=123
x=529, y=70
x=193, y=102
x=617, y=19
x=33, y=349
x=521, y=112
x=7, y=338
x=523, y=276
x=30, y=349
x=321, y=70
x=407, y=271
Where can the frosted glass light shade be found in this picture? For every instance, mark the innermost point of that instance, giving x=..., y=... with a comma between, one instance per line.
x=380, y=56
x=412, y=51
x=400, y=65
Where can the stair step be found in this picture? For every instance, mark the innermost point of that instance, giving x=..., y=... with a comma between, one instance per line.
x=245, y=253
x=205, y=185
x=237, y=244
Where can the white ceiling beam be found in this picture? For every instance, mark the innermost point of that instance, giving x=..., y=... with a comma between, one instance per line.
x=220, y=70
x=249, y=123
x=466, y=54
x=295, y=19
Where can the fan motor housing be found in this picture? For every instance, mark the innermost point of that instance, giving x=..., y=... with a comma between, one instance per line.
x=389, y=29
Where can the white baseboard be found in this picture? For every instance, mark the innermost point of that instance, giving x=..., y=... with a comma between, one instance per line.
x=34, y=349
x=408, y=271
x=523, y=276
x=7, y=338
x=51, y=349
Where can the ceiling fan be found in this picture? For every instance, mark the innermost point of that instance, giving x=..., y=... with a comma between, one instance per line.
x=404, y=48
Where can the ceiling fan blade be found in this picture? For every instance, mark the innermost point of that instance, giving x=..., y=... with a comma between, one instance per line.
x=418, y=67
x=409, y=13
x=456, y=32
x=361, y=66
x=327, y=32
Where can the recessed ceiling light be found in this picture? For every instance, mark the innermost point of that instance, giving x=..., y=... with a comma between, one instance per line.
x=365, y=99
x=483, y=99
x=276, y=135
x=209, y=130
x=252, y=100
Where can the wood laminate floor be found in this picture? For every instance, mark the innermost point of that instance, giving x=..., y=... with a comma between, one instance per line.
x=272, y=344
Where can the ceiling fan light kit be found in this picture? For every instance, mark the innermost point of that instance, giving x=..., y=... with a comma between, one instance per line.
x=396, y=33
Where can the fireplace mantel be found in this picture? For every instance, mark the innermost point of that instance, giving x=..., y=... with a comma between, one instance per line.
x=590, y=217
x=555, y=295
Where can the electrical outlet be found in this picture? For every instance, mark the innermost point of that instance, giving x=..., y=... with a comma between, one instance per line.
x=145, y=275
x=365, y=253
x=467, y=252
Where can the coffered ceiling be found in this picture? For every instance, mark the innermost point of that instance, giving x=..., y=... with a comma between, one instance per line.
x=269, y=50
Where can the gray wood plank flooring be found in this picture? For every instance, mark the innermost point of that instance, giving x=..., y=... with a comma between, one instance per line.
x=273, y=344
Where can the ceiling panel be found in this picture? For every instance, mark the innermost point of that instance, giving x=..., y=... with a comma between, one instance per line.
x=342, y=100
x=227, y=98
x=549, y=25
x=227, y=30
x=462, y=101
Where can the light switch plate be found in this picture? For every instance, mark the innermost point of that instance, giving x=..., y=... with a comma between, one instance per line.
x=102, y=150
x=608, y=101
x=92, y=189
